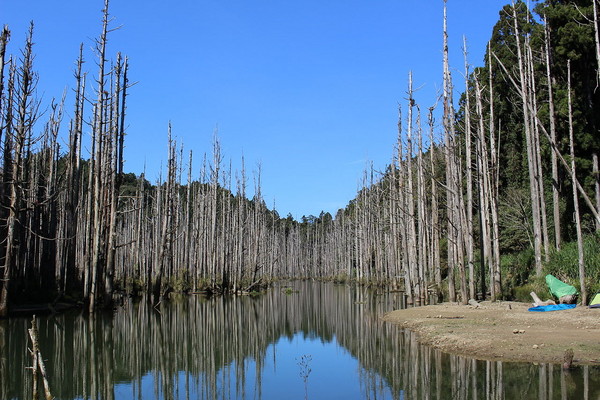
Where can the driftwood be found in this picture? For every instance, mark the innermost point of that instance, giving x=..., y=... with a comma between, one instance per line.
x=538, y=302
x=474, y=303
x=38, y=363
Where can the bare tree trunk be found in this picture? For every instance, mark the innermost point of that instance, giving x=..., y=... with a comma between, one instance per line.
x=4, y=38
x=435, y=228
x=535, y=139
x=597, y=37
x=96, y=192
x=485, y=191
x=423, y=237
x=469, y=172
x=25, y=118
x=575, y=197
x=455, y=206
x=554, y=161
x=410, y=202
x=533, y=185
x=493, y=179
x=115, y=172
x=449, y=173
x=596, y=173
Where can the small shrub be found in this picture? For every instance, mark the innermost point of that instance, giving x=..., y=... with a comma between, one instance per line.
x=564, y=264
x=517, y=268
x=537, y=285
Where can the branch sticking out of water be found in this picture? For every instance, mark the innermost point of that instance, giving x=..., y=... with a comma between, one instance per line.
x=38, y=362
x=305, y=371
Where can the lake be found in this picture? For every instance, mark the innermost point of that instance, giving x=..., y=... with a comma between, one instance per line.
x=300, y=340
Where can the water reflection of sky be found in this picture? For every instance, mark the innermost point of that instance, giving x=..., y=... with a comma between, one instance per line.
x=335, y=374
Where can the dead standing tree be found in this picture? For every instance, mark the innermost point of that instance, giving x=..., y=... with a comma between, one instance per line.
x=456, y=213
x=581, y=261
x=17, y=135
x=411, y=232
x=531, y=149
x=469, y=177
x=106, y=166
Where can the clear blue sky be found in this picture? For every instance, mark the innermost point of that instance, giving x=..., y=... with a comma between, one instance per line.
x=309, y=89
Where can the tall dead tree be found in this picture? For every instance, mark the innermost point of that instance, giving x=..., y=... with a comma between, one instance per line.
x=536, y=151
x=527, y=124
x=496, y=276
x=411, y=232
x=456, y=214
x=4, y=38
x=434, y=232
x=581, y=262
x=96, y=167
x=422, y=213
x=15, y=147
x=469, y=176
x=165, y=226
x=116, y=134
x=554, y=158
x=597, y=36
x=595, y=155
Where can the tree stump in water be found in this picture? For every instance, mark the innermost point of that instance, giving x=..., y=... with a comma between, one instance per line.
x=568, y=359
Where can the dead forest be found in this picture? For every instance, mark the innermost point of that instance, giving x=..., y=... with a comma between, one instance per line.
x=509, y=166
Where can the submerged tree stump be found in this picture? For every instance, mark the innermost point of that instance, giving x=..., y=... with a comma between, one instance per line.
x=568, y=359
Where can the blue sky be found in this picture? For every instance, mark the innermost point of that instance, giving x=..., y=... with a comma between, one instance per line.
x=309, y=89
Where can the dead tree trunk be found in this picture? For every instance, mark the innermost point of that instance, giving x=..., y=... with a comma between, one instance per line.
x=554, y=160
x=410, y=202
x=527, y=122
x=454, y=199
x=493, y=179
x=469, y=175
x=4, y=37
x=99, y=126
x=597, y=36
x=596, y=172
x=25, y=118
x=434, y=228
x=581, y=262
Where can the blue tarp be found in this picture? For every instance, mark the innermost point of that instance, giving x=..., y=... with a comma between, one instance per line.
x=553, y=307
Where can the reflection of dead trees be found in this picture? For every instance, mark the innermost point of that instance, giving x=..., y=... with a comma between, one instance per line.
x=198, y=346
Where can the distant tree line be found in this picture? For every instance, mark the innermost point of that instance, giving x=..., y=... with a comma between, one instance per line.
x=514, y=167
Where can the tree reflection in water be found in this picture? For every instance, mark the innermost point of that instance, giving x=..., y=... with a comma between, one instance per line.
x=238, y=348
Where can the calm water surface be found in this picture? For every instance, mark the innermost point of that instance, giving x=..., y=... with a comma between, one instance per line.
x=323, y=341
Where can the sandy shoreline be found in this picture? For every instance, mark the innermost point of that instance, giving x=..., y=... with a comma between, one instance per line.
x=505, y=331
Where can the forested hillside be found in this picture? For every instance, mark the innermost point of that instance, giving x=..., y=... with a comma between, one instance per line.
x=477, y=183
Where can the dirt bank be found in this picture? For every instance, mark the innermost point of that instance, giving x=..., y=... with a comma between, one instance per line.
x=505, y=331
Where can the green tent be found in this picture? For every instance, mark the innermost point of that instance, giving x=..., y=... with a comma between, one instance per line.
x=596, y=300
x=558, y=288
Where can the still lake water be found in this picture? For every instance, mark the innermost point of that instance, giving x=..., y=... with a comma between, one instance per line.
x=323, y=341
